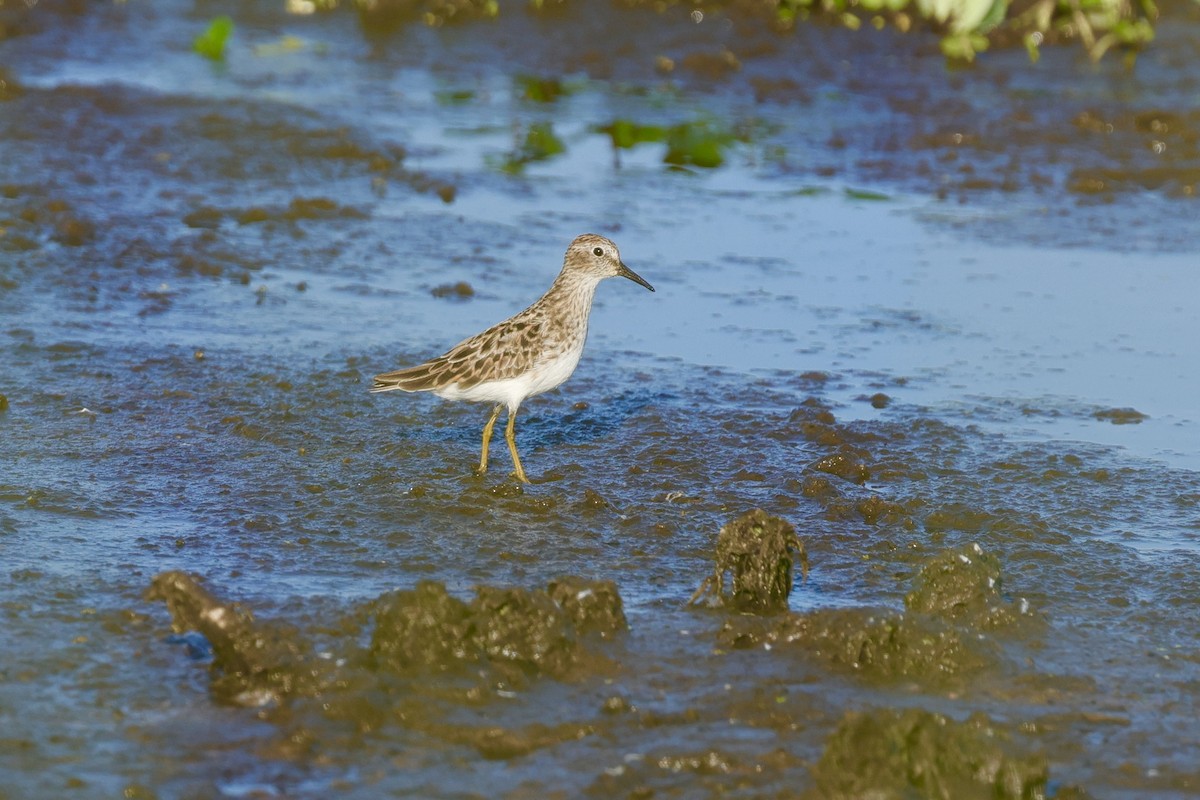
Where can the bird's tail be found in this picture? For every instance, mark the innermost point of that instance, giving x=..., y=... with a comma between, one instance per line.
x=411, y=379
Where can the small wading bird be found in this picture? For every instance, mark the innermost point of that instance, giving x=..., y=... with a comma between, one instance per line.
x=530, y=353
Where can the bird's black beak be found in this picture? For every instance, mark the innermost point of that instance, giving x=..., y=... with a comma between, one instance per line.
x=626, y=272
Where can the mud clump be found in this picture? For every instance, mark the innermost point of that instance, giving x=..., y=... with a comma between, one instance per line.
x=916, y=753
x=936, y=641
x=1121, y=416
x=516, y=633
x=299, y=209
x=845, y=466
x=875, y=509
x=756, y=549
x=456, y=291
x=254, y=664
x=592, y=606
x=520, y=632
x=421, y=627
x=524, y=628
x=963, y=586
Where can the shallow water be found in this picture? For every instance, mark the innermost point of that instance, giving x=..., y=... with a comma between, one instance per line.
x=203, y=265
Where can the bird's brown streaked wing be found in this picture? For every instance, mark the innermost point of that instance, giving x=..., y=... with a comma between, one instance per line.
x=502, y=351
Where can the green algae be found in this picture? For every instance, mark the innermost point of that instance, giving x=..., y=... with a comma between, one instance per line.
x=699, y=143
x=454, y=97
x=625, y=134
x=865, y=194
x=758, y=552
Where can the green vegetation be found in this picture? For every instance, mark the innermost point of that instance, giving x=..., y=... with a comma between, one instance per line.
x=971, y=26
x=541, y=90
x=864, y=194
x=698, y=143
x=625, y=134
x=540, y=143
x=211, y=43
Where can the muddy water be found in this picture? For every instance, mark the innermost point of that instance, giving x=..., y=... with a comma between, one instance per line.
x=938, y=323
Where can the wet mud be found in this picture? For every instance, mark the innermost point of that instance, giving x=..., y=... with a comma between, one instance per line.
x=229, y=571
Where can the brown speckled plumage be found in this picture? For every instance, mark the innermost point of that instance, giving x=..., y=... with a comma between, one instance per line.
x=526, y=354
x=503, y=351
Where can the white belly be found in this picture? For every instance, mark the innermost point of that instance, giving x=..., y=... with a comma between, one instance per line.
x=512, y=391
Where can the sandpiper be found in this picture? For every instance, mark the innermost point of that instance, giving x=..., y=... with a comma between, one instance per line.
x=527, y=354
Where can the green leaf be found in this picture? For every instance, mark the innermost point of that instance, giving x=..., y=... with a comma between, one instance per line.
x=625, y=133
x=211, y=43
x=699, y=143
x=863, y=194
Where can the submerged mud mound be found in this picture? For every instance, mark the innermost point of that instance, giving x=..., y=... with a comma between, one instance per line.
x=517, y=631
x=916, y=753
x=878, y=647
x=963, y=585
x=254, y=663
x=938, y=640
x=756, y=550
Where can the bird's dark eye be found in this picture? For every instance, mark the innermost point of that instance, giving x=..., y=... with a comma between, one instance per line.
x=599, y=251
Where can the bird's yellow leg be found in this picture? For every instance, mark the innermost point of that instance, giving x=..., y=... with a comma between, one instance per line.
x=487, y=438
x=510, y=437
